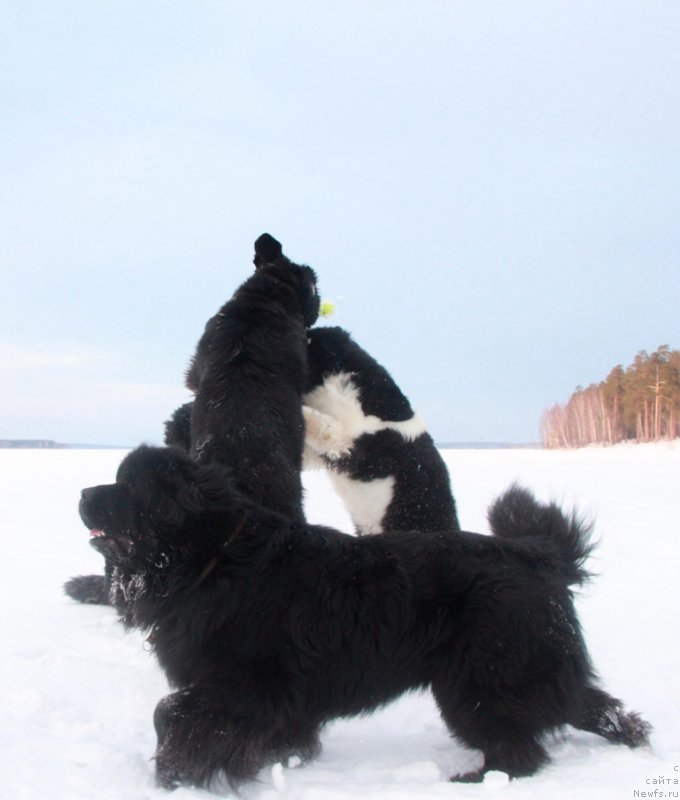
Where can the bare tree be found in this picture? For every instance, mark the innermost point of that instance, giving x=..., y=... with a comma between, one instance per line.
x=641, y=403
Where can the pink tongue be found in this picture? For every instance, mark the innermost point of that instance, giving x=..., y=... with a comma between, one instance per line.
x=96, y=532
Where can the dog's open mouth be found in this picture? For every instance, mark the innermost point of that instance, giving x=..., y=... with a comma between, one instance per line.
x=113, y=546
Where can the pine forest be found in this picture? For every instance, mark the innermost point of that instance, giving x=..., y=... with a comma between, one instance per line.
x=640, y=403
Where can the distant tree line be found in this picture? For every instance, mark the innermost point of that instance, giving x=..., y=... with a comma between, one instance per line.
x=30, y=444
x=639, y=403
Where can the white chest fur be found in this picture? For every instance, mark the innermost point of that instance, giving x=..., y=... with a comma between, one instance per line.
x=366, y=501
x=334, y=420
x=338, y=397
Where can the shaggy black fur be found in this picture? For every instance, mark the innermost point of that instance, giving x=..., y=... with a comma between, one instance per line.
x=248, y=374
x=178, y=428
x=268, y=628
x=363, y=428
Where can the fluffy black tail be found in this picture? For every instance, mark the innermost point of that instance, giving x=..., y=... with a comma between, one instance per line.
x=562, y=542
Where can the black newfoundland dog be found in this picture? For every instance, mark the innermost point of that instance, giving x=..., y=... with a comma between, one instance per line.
x=248, y=376
x=268, y=627
x=361, y=427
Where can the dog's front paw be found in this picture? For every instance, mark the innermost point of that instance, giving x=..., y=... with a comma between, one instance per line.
x=168, y=774
x=477, y=776
x=325, y=436
x=490, y=778
x=88, y=589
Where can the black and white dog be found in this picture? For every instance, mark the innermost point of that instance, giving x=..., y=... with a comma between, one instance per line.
x=359, y=426
x=248, y=375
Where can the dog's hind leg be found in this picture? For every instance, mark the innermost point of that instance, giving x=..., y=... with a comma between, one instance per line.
x=508, y=750
x=483, y=721
x=604, y=715
x=521, y=757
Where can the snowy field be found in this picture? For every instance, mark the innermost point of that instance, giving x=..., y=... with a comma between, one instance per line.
x=77, y=693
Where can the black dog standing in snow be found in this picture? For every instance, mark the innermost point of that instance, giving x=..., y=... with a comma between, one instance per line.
x=248, y=374
x=268, y=628
x=359, y=426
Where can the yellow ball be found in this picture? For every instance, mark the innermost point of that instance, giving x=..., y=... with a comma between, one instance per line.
x=327, y=308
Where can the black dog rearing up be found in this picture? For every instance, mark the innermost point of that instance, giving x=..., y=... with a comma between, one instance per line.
x=248, y=376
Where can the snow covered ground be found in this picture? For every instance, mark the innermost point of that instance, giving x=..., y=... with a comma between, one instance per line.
x=77, y=693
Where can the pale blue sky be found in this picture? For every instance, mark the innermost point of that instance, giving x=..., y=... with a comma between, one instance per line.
x=488, y=190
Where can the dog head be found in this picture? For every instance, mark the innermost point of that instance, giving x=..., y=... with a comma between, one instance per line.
x=267, y=250
x=269, y=256
x=155, y=512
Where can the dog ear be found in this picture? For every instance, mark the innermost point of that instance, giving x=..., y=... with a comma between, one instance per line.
x=176, y=474
x=190, y=498
x=214, y=484
x=267, y=250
